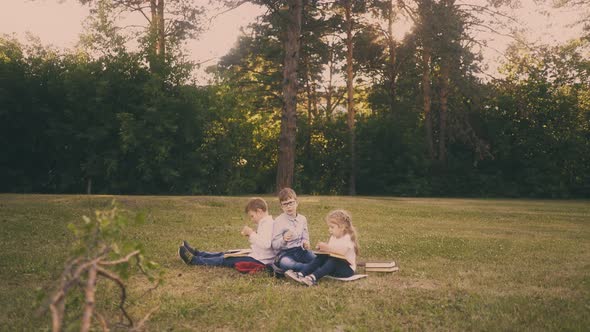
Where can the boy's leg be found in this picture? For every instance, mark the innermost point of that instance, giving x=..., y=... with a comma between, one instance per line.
x=306, y=256
x=209, y=254
x=334, y=267
x=213, y=259
x=289, y=263
x=296, y=259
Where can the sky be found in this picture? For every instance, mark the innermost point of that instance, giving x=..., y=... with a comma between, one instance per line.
x=59, y=23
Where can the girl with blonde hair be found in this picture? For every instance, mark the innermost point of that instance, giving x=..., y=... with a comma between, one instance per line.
x=341, y=251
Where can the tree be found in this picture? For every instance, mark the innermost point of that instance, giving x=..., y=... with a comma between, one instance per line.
x=540, y=118
x=583, y=11
x=287, y=138
x=169, y=22
x=289, y=20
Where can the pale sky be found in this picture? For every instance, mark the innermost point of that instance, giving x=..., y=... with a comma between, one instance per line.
x=59, y=23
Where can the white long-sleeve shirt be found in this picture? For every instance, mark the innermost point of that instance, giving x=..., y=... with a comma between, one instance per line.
x=261, y=241
x=344, y=245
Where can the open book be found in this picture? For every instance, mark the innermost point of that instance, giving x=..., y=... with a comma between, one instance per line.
x=237, y=253
x=332, y=254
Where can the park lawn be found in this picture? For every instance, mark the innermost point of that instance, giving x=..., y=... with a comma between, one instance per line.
x=465, y=264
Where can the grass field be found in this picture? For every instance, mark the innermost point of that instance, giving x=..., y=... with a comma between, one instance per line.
x=466, y=264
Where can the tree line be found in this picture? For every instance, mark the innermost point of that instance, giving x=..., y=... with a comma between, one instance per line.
x=318, y=95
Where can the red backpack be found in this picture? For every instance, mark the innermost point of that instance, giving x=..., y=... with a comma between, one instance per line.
x=249, y=267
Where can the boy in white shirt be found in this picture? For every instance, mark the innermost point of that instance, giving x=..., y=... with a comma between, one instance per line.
x=260, y=242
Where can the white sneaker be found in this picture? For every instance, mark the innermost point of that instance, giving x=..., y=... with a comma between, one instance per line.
x=293, y=275
x=309, y=281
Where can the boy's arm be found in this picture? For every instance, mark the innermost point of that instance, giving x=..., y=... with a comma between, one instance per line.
x=263, y=237
x=277, y=235
x=305, y=234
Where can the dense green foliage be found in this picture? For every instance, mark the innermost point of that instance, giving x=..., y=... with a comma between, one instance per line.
x=101, y=120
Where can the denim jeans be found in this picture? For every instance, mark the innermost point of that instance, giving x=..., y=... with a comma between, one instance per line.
x=217, y=259
x=295, y=258
x=325, y=265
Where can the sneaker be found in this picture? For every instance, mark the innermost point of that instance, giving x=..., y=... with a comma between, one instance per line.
x=294, y=275
x=185, y=255
x=190, y=249
x=309, y=281
x=276, y=270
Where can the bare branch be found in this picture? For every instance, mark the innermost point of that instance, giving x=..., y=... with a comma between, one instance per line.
x=489, y=11
x=102, y=321
x=232, y=7
x=122, y=260
x=140, y=324
x=119, y=282
x=90, y=300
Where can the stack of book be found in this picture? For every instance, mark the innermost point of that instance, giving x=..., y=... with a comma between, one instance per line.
x=379, y=266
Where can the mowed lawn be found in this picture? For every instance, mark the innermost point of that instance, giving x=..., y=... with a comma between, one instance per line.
x=465, y=264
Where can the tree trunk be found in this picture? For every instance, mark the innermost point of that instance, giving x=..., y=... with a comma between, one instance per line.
x=286, y=163
x=308, y=92
x=350, y=103
x=392, y=54
x=161, y=43
x=89, y=186
x=426, y=54
x=157, y=35
x=444, y=98
x=330, y=88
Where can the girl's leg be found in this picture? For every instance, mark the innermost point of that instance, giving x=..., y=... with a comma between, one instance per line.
x=314, y=265
x=334, y=267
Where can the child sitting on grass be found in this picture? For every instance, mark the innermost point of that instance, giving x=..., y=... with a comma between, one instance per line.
x=260, y=241
x=291, y=235
x=343, y=242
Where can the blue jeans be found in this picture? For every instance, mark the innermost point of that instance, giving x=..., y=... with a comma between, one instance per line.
x=325, y=265
x=295, y=258
x=217, y=259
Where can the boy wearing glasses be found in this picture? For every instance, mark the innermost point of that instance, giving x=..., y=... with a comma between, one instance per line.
x=291, y=235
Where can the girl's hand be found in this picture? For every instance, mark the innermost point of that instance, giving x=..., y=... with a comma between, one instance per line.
x=323, y=246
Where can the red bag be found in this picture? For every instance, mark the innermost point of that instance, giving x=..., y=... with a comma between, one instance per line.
x=249, y=267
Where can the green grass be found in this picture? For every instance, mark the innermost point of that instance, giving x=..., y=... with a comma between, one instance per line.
x=466, y=264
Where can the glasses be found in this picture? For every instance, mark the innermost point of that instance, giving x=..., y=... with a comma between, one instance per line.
x=288, y=204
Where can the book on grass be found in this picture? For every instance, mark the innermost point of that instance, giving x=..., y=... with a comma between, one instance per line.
x=237, y=253
x=377, y=264
x=382, y=269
